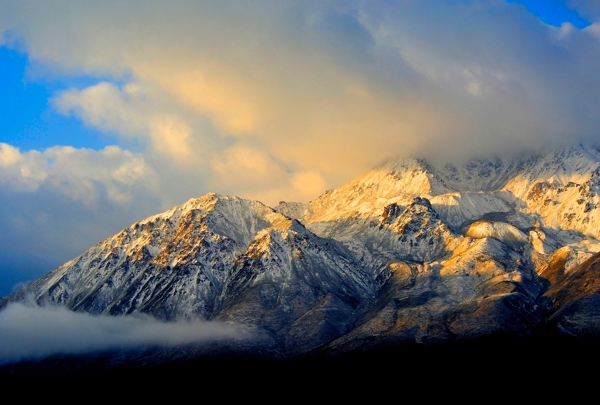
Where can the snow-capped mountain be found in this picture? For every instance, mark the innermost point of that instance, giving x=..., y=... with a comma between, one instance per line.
x=405, y=253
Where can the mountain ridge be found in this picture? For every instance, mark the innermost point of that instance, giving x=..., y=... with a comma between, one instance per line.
x=406, y=253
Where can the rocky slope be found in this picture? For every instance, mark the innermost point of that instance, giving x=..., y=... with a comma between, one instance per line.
x=407, y=253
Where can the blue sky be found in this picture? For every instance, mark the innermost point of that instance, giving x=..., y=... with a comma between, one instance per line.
x=114, y=111
x=29, y=121
x=555, y=12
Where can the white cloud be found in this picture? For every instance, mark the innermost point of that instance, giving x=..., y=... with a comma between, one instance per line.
x=9, y=155
x=37, y=332
x=104, y=106
x=76, y=171
x=131, y=112
x=21, y=172
x=594, y=29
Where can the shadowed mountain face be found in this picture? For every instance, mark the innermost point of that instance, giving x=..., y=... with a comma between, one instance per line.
x=405, y=254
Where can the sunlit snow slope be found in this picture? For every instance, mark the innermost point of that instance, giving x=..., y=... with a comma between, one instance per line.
x=408, y=252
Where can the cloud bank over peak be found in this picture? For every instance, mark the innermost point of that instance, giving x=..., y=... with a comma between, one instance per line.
x=319, y=85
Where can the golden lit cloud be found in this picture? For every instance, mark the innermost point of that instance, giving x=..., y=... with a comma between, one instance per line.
x=280, y=100
x=308, y=183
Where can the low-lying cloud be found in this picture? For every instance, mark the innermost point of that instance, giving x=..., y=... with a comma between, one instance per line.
x=36, y=332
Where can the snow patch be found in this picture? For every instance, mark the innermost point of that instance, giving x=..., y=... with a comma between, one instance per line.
x=495, y=229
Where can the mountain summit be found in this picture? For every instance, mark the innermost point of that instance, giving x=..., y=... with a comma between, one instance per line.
x=405, y=254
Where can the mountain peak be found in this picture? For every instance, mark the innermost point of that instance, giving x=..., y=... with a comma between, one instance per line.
x=408, y=252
